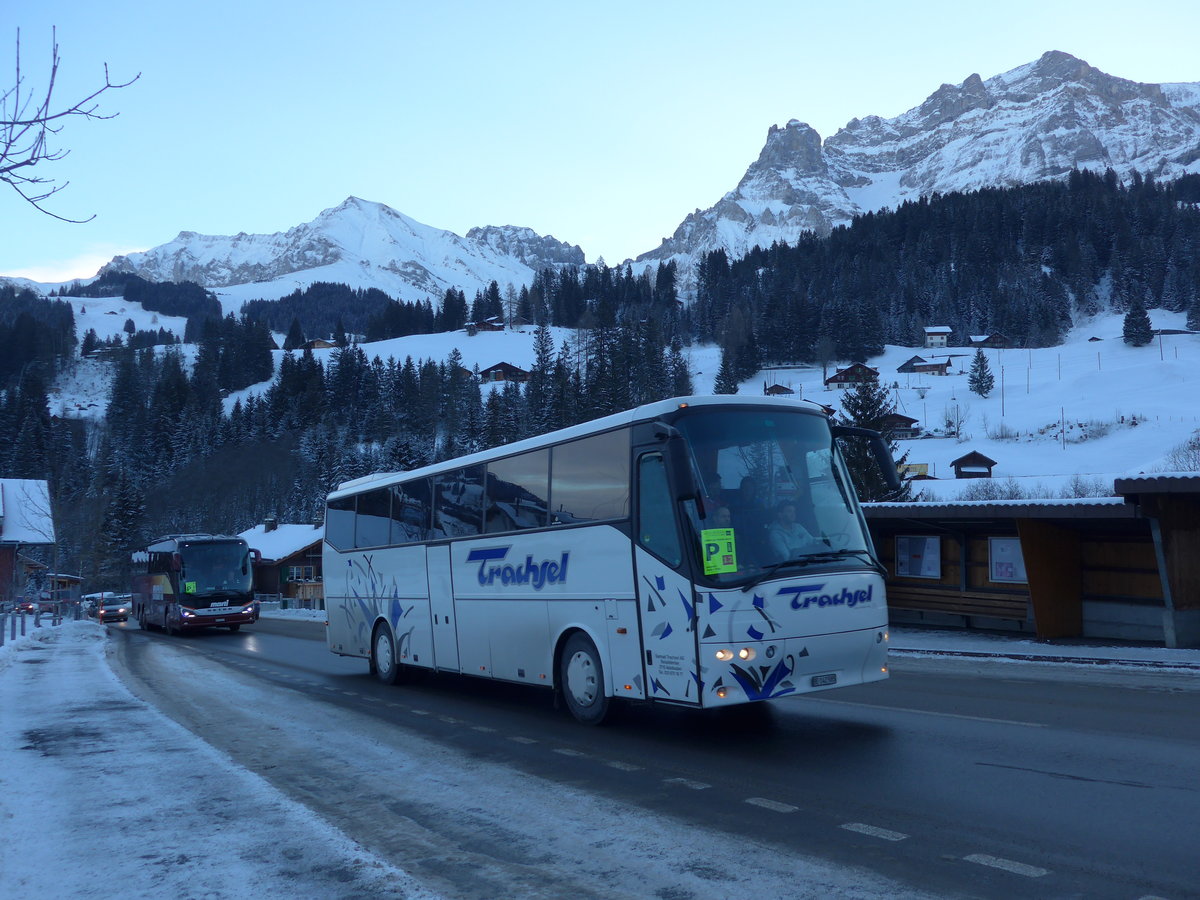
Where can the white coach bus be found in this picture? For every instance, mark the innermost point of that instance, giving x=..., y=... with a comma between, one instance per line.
x=701, y=552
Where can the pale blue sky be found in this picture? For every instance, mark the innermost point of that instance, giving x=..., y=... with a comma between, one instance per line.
x=603, y=124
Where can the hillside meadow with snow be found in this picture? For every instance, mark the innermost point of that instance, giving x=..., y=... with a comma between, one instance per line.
x=1090, y=410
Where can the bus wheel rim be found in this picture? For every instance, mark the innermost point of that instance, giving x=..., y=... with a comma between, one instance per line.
x=581, y=678
x=383, y=652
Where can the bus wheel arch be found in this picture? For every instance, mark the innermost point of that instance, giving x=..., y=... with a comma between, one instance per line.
x=581, y=677
x=383, y=658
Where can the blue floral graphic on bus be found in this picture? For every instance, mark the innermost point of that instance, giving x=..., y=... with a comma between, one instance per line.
x=765, y=682
x=370, y=595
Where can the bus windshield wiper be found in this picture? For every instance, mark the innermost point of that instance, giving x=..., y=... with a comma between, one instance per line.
x=810, y=559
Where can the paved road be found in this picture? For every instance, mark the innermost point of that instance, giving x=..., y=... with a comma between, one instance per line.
x=960, y=778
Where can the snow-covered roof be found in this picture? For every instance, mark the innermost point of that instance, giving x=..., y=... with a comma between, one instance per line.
x=1073, y=507
x=25, y=512
x=938, y=329
x=283, y=540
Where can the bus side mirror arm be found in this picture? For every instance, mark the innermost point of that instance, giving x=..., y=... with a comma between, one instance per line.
x=879, y=449
x=679, y=467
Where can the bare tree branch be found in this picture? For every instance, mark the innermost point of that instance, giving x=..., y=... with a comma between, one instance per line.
x=28, y=124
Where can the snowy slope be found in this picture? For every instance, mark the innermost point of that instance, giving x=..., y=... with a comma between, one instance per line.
x=1097, y=387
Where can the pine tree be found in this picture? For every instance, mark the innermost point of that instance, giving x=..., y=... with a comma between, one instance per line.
x=981, y=380
x=295, y=336
x=1137, y=331
x=868, y=406
x=726, y=382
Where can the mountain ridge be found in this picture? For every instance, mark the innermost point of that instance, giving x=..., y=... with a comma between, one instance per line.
x=1034, y=122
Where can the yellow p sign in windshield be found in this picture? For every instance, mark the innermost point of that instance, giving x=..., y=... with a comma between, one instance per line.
x=720, y=550
x=189, y=587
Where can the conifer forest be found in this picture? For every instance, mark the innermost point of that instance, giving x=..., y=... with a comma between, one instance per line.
x=168, y=456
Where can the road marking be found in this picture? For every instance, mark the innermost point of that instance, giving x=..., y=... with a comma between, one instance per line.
x=566, y=752
x=623, y=766
x=871, y=830
x=773, y=805
x=420, y=712
x=483, y=728
x=450, y=720
x=925, y=712
x=687, y=783
x=522, y=740
x=1007, y=865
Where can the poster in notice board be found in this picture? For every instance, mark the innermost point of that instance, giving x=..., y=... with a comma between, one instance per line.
x=1005, y=562
x=918, y=556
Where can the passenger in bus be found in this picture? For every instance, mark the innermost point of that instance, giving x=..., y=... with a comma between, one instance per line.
x=747, y=507
x=720, y=517
x=788, y=538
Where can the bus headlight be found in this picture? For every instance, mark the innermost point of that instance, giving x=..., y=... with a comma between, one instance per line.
x=747, y=653
x=724, y=655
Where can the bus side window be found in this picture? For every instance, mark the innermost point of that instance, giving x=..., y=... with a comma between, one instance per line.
x=590, y=479
x=517, y=489
x=339, y=523
x=656, y=528
x=371, y=523
x=410, y=512
x=458, y=503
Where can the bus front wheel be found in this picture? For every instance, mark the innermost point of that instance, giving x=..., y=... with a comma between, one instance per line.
x=383, y=656
x=582, y=678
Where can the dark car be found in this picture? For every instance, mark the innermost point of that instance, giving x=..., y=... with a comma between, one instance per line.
x=113, y=608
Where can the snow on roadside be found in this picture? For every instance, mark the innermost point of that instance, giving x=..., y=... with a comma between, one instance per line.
x=100, y=795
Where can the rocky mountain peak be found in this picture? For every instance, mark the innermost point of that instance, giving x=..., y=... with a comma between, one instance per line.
x=1034, y=122
x=795, y=146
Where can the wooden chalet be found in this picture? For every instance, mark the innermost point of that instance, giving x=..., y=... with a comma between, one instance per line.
x=899, y=426
x=993, y=341
x=932, y=368
x=777, y=390
x=493, y=324
x=503, y=371
x=856, y=373
x=973, y=465
x=290, y=565
x=910, y=365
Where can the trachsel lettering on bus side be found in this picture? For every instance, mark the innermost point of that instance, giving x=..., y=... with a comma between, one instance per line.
x=493, y=569
x=808, y=595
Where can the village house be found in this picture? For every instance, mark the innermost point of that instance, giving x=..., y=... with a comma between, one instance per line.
x=993, y=341
x=25, y=522
x=290, y=565
x=854, y=374
x=937, y=335
x=503, y=371
x=932, y=368
x=777, y=390
x=899, y=426
x=910, y=365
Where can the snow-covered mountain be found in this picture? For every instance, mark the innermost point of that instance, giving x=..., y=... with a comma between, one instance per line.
x=1035, y=122
x=360, y=243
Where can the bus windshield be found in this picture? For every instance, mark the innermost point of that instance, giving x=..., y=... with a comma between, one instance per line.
x=774, y=479
x=214, y=567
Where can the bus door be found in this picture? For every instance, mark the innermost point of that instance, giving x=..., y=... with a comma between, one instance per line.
x=666, y=601
x=441, y=607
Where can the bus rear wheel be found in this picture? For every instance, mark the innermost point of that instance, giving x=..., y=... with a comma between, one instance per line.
x=236, y=627
x=582, y=678
x=383, y=656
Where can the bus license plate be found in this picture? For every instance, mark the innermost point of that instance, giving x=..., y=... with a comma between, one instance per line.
x=822, y=680
x=220, y=620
